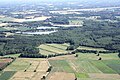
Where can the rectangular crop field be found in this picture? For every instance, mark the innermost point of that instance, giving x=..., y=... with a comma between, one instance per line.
x=7, y=75
x=113, y=64
x=60, y=66
x=18, y=65
x=47, y=49
x=62, y=76
x=103, y=67
x=90, y=48
x=84, y=66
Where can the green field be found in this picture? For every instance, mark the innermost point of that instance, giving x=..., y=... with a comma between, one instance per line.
x=18, y=65
x=7, y=75
x=103, y=67
x=12, y=55
x=90, y=48
x=86, y=64
x=60, y=66
x=113, y=64
x=82, y=75
x=89, y=63
x=92, y=56
x=53, y=48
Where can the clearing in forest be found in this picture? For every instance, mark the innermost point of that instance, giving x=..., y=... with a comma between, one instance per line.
x=47, y=49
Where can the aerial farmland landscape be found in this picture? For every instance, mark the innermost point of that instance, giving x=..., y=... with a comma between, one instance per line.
x=59, y=39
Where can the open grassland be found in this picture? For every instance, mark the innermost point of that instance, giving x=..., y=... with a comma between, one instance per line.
x=111, y=56
x=92, y=56
x=90, y=48
x=87, y=56
x=24, y=20
x=14, y=28
x=47, y=49
x=12, y=55
x=76, y=22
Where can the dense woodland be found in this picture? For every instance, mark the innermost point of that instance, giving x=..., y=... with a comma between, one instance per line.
x=93, y=33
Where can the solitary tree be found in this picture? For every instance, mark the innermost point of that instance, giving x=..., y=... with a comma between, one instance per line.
x=119, y=54
x=100, y=58
x=98, y=54
x=76, y=55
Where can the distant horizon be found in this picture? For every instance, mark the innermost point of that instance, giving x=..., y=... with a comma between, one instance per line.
x=59, y=0
x=86, y=2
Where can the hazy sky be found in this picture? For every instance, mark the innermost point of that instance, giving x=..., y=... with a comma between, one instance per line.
x=92, y=1
x=53, y=0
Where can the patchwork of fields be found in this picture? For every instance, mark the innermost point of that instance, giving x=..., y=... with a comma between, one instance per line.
x=5, y=75
x=68, y=67
x=26, y=69
x=88, y=67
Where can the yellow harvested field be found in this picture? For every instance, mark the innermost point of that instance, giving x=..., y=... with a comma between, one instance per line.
x=23, y=76
x=39, y=66
x=43, y=66
x=38, y=76
x=33, y=65
x=62, y=76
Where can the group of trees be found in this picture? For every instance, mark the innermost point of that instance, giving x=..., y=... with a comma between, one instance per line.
x=95, y=51
x=59, y=20
x=93, y=34
x=27, y=55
